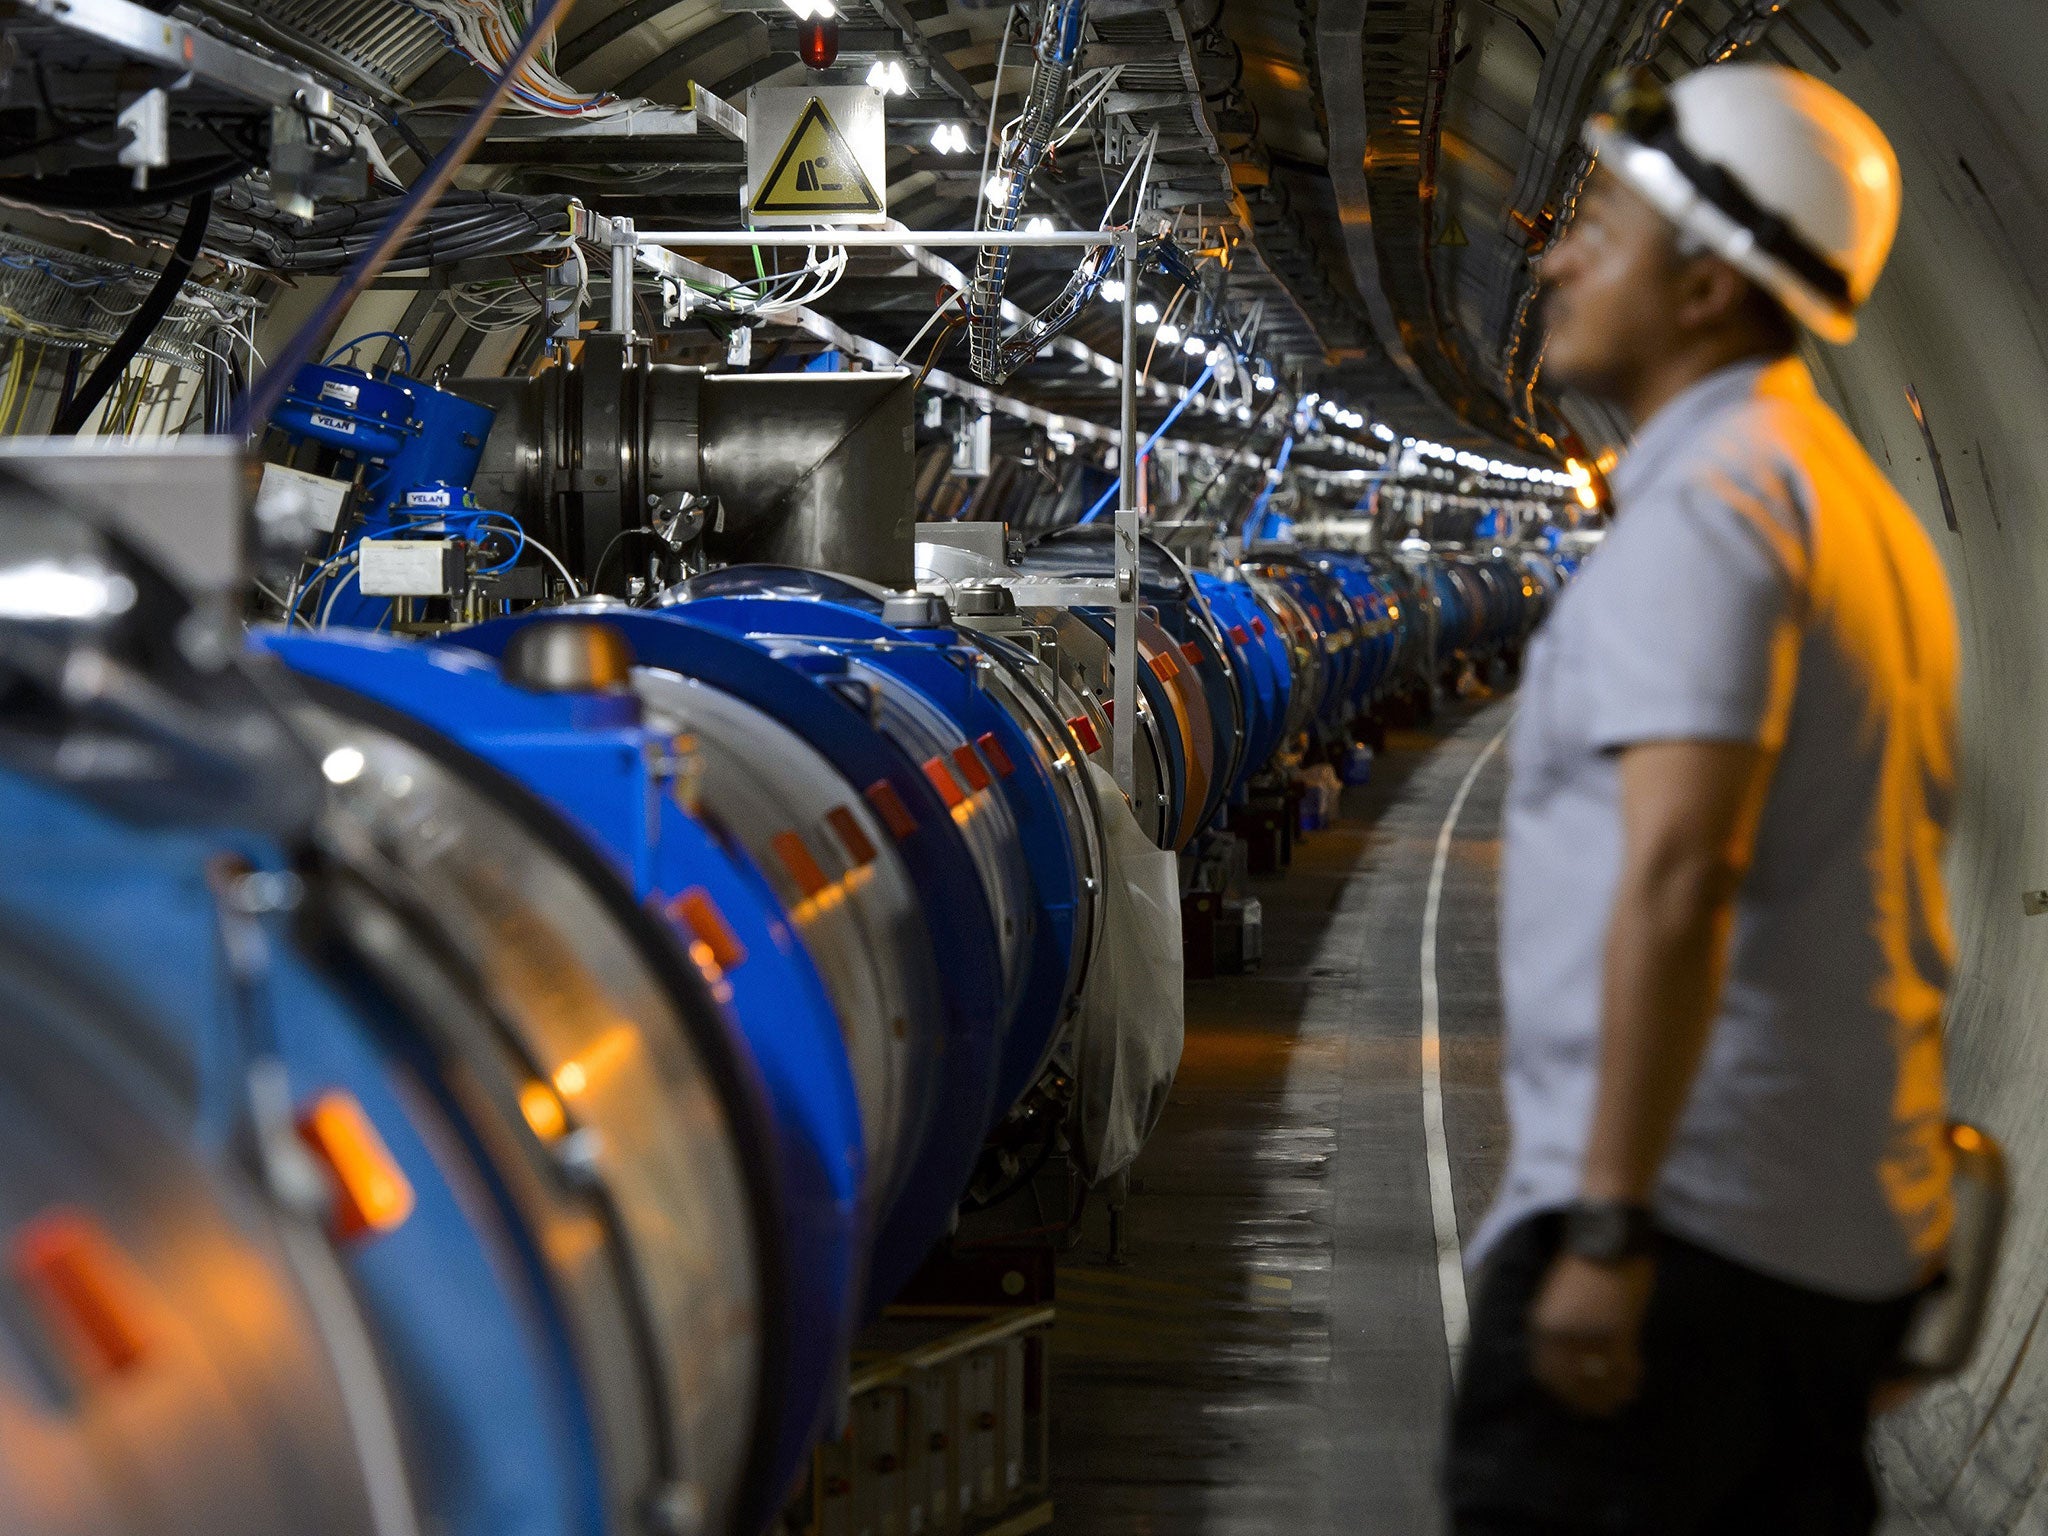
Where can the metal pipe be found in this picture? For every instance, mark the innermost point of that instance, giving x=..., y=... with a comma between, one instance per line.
x=1124, y=725
x=623, y=243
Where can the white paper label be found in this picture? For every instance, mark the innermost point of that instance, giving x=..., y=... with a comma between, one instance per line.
x=402, y=567
x=339, y=424
x=291, y=497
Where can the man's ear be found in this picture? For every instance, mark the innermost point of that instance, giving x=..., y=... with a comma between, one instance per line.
x=1711, y=293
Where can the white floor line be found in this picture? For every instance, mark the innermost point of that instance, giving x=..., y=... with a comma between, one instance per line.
x=1450, y=1253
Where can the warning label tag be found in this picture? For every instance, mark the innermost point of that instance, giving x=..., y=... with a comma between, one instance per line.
x=816, y=173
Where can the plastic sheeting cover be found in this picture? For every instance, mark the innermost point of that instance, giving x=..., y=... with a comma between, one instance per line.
x=1127, y=1035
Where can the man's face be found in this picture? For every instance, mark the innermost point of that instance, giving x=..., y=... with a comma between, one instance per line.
x=1611, y=300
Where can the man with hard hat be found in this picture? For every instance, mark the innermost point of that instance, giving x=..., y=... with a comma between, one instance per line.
x=1724, y=937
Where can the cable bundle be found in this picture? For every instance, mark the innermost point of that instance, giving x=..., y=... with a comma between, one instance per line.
x=68, y=300
x=1059, y=43
x=773, y=293
x=463, y=226
x=488, y=34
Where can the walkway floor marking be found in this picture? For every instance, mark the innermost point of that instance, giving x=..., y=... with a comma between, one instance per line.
x=1450, y=1253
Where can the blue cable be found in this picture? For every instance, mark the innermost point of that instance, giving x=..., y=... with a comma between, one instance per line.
x=1171, y=417
x=1251, y=521
x=403, y=346
x=506, y=564
x=468, y=530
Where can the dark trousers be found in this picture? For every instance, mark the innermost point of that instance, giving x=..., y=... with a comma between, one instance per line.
x=1751, y=1420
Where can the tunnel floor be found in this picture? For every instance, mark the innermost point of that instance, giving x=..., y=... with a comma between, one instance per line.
x=1270, y=1355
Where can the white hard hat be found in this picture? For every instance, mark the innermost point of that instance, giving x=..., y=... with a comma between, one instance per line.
x=1782, y=176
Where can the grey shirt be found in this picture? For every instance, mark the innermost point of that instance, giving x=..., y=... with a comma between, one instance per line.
x=1762, y=583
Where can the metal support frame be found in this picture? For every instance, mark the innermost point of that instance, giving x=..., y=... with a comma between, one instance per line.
x=183, y=49
x=624, y=245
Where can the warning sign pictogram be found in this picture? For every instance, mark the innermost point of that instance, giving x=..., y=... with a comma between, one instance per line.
x=816, y=173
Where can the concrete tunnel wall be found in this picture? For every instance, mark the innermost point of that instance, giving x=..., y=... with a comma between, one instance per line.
x=1961, y=87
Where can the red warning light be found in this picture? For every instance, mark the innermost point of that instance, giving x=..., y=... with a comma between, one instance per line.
x=817, y=41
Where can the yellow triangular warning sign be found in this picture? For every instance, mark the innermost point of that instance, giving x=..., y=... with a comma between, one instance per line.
x=1453, y=233
x=816, y=172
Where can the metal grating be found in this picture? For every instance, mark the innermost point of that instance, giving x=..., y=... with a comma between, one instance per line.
x=386, y=40
x=63, y=299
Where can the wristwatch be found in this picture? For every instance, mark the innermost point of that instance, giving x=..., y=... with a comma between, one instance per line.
x=1607, y=1231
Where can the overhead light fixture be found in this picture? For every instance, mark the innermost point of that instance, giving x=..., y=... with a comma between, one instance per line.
x=1328, y=408
x=998, y=189
x=811, y=10
x=1264, y=382
x=1113, y=290
x=886, y=76
x=1169, y=333
x=1038, y=224
x=949, y=139
x=1194, y=346
x=1383, y=432
x=1147, y=313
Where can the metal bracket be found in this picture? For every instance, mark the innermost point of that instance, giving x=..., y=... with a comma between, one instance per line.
x=191, y=57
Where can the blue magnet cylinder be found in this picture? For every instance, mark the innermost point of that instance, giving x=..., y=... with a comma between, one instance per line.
x=815, y=693
x=589, y=755
x=454, y=1296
